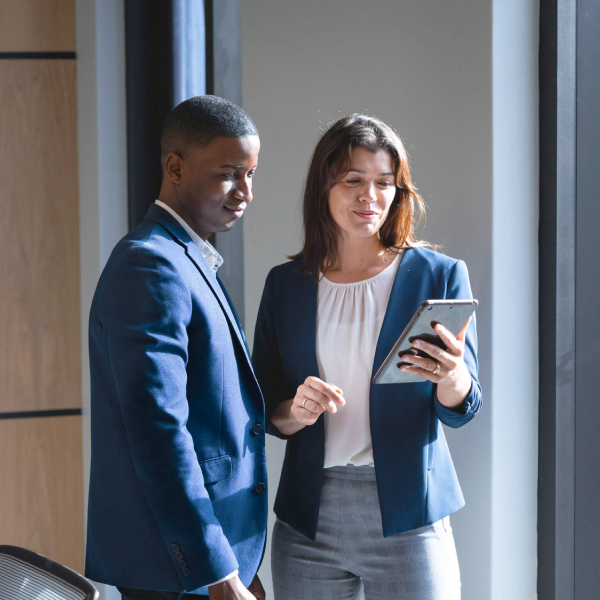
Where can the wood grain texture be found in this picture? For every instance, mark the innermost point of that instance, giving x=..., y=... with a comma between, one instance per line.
x=40, y=347
x=37, y=26
x=41, y=487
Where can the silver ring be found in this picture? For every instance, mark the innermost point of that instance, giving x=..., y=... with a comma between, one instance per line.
x=304, y=403
x=437, y=369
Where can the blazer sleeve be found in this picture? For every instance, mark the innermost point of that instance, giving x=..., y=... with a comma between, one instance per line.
x=458, y=287
x=266, y=358
x=145, y=318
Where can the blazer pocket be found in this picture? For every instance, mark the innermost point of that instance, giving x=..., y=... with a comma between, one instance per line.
x=216, y=469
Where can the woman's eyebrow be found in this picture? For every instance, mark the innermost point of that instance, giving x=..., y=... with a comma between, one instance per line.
x=380, y=174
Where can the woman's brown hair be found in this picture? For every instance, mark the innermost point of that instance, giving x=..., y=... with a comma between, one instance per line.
x=330, y=161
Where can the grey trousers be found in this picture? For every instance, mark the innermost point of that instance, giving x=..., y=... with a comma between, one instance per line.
x=350, y=559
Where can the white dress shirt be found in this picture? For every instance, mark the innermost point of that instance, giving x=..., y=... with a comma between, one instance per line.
x=349, y=319
x=214, y=260
x=208, y=251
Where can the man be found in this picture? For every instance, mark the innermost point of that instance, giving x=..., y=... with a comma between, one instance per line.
x=178, y=503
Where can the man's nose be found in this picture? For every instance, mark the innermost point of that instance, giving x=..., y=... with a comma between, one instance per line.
x=244, y=189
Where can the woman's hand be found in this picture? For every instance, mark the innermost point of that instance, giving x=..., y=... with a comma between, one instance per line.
x=447, y=367
x=312, y=399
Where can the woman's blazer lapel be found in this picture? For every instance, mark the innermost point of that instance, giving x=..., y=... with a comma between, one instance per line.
x=405, y=297
x=300, y=319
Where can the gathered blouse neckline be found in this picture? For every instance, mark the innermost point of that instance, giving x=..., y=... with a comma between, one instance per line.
x=381, y=273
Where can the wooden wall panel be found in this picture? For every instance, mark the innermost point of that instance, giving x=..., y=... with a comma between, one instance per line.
x=41, y=487
x=40, y=349
x=37, y=25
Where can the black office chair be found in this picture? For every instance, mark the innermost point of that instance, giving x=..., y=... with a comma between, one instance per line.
x=25, y=575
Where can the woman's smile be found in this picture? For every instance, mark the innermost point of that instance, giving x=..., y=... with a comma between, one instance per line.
x=367, y=214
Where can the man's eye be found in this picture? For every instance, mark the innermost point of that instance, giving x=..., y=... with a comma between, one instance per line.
x=227, y=176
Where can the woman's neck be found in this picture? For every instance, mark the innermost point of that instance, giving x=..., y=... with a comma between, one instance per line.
x=359, y=259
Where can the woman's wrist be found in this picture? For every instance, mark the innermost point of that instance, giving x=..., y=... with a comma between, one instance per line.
x=284, y=419
x=453, y=395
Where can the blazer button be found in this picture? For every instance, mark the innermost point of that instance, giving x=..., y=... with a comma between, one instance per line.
x=178, y=555
x=260, y=488
x=182, y=564
x=175, y=548
x=257, y=429
x=185, y=572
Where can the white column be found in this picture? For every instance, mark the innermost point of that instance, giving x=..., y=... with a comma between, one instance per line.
x=102, y=166
x=515, y=297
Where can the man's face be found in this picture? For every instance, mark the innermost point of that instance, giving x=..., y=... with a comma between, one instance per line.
x=214, y=183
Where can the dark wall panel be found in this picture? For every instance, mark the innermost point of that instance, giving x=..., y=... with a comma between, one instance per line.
x=150, y=93
x=587, y=367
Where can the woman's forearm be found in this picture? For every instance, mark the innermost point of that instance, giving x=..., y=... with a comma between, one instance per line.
x=284, y=420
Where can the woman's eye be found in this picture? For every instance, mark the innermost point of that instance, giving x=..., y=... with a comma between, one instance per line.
x=352, y=181
x=227, y=176
x=385, y=183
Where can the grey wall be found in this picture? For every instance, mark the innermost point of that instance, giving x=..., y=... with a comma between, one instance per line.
x=434, y=70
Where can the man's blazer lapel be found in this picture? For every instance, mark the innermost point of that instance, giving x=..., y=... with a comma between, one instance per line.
x=235, y=316
x=176, y=231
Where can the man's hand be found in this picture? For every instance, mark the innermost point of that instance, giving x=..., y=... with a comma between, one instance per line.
x=233, y=589
x=256, y=589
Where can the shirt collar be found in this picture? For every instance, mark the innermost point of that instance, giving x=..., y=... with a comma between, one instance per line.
x=208, y=251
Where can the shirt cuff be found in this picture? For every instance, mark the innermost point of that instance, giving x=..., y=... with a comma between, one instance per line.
x=236, y=572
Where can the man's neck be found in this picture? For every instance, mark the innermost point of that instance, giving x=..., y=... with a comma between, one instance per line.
x=174, y=204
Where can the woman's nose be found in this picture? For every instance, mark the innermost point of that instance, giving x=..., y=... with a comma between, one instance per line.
x=367, y=194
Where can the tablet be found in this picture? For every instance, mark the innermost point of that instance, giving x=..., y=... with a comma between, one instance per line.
x=452, y=314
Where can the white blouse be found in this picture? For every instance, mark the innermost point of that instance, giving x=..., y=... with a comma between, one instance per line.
x=349, y=319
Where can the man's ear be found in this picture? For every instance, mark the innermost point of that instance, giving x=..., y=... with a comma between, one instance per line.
x=173, y=167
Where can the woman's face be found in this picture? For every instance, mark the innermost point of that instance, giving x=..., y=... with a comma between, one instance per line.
x=360, y=200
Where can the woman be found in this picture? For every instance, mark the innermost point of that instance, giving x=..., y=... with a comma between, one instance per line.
x=367, y=483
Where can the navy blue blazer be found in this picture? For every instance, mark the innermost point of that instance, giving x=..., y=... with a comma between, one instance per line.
x=416, y=480
x=177, y=487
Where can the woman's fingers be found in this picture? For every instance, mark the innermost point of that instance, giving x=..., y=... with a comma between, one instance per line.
x=328, y=389
x=463, y=332
x=314, y=397
x=316, y=408
x=427, y=364
x=316, y=401
x=425, y=373
x=454, y=345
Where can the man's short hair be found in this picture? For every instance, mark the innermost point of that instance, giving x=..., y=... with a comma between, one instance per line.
x=198, y=121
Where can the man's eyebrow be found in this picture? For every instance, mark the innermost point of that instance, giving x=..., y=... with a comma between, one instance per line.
x=380, y=174
x=235, y=167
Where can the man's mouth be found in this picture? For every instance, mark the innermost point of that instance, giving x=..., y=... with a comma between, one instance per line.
x=238, y=211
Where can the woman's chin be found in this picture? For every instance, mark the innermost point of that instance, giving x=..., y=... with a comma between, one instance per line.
x=365, y=230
